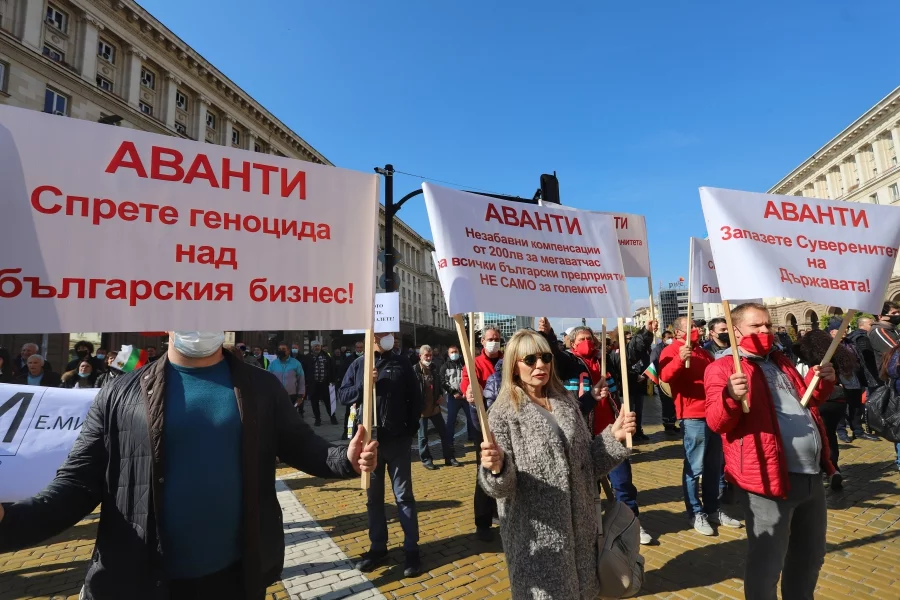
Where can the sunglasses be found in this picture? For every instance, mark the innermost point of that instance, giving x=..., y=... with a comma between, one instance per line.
x=531, y=359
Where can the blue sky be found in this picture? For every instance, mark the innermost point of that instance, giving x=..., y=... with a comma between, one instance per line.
x=634, y=104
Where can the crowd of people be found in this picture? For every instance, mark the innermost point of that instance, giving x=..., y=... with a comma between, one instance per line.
x=557, y=429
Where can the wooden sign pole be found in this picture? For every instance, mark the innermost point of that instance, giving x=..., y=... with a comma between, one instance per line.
x=689, y=322
x=469, y=357
x=626, y=403
x=603, y=349
x=745, y=406
x=368, y=406
x=845, y=323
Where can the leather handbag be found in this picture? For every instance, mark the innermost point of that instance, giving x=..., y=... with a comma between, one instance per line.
x=620, y=566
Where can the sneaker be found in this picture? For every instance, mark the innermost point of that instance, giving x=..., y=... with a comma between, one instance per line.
x=701, y=525
x=484, y=534
x=672, y=429
x=869, y=437
x=842, y=436
x=429, y=465
x=412, y=566
x=720, y=518
x=370, y=560
x=452, y=463
x=645, y=538
x=837, y=482
x=334, y=420
x=641, y=437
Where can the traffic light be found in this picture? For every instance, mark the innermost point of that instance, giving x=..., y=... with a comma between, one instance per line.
x=550, y=188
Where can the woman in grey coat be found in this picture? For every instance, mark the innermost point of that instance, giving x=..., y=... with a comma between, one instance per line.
x=547, y=469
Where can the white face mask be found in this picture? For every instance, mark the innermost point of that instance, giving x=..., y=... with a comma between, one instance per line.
x=427, y=363
x=386, y=343
x=454, y=356
x=492, y=347
x=668, y=341
x=198, y=344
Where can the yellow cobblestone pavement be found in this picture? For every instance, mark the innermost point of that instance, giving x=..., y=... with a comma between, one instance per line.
x=863, y=535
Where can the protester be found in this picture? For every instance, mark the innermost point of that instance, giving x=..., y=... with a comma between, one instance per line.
x=718, y=344
x=111, y=373
x=36, y=374
x=869, y=376
x=84, y=376
x=485, y=364
x=290, y=373
x=579, y=369
x=431, y=412
x=891, y=374
x=319, y=368
x=883, y=334
x=451, y=374
x=20, y=363
x=637, y=353
x=775, y=455
x=342, y=362
x=398, y=404
x=6, y=366
x=166, y=525
x=702, y=446
x=152, y=354
x=547, y=472
x=785, y=341
x=810, y=351
x=260, y=358
x=662, y=392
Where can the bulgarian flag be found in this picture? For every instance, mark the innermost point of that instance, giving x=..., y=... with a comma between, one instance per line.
x=651, y=374
x=130, y=358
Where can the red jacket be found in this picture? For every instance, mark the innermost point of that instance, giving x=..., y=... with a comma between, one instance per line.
x=754, y=455
x=686, y=384
x=484, y=368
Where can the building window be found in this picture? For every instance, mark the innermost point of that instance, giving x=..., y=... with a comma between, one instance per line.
x=891, y=150
x=106, y=51
x=210, y=120
x=874, y=198
x=57, y=18
x=148, y=78
x=56, y=103
x=235, y=137
x=181, y=100
x=257, y=147
x=4, y=68
x=895, y=192
x=180, y=128
x=145, y=108
x=54, y=54
x=104, y=84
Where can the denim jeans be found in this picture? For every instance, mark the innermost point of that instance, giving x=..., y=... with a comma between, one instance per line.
x=626, y=493
x=786, y=538
x=441, y=428
x=393, y=455
x=702, y=455
x=453, y=408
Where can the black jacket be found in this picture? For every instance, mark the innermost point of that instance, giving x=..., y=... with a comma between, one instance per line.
x=637, y=354
x=117, y=462
x=451, y=376
x=883, y=337
x=397, y=391
x=868, y=373
x=308, y=362
x=50, y=379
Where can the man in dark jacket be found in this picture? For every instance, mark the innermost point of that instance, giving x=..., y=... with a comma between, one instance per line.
x=666, y=403
x=868, y=374
x=168, y=530
x=883, y=335
x=451, y=374
x=398, y=403
x=84, y=351
x=637, y=355
x=319, y=369
x=19, y=363
x=426, y=373
x=36, y=374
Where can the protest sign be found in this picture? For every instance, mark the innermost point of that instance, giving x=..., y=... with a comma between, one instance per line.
x=387, y=314
x=515, y=258
x=38, y=427
x=219, y=238
x=836, y=253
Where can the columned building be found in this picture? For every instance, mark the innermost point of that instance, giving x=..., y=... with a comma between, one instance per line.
x=860, y=165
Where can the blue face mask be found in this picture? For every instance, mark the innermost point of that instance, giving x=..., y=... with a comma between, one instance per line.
x=83, y=375
x=101, y=356
x=294, y=350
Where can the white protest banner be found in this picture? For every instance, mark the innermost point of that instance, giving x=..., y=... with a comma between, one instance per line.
x=516, y=258
x=631, y=231
x=387, y=314
x=704, y=285
x=836, y=253
x=219, y=238
x=38, y=427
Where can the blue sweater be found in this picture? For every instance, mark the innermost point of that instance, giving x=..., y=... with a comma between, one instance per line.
x=202, y=503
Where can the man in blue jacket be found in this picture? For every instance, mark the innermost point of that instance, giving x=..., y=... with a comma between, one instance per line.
x=398, y=405
x=289, y=372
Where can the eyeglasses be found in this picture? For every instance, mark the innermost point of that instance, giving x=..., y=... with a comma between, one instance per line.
x=531, y=359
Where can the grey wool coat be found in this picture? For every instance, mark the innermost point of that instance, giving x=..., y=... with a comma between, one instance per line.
x=545, y=496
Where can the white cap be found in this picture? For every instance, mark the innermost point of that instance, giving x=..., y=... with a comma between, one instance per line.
x=315, y=343
x=570, y=330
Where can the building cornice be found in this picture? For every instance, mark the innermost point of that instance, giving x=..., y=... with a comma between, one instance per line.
x=838, y=145
x=198, y=72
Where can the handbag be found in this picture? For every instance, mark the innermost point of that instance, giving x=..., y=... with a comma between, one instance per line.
x=620, y=566
x=883, y=411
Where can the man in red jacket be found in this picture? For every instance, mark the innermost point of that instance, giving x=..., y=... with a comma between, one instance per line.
x=775, y=454
x=485, y=506
x=702, y=446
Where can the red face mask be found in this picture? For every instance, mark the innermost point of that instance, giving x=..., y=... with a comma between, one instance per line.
x=584, y=349
x=695, y=336
x=758, y=344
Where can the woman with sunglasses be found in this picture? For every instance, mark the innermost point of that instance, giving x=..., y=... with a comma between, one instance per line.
x=543, y=469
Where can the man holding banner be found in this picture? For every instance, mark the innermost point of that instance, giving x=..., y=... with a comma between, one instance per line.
x=145, y=454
